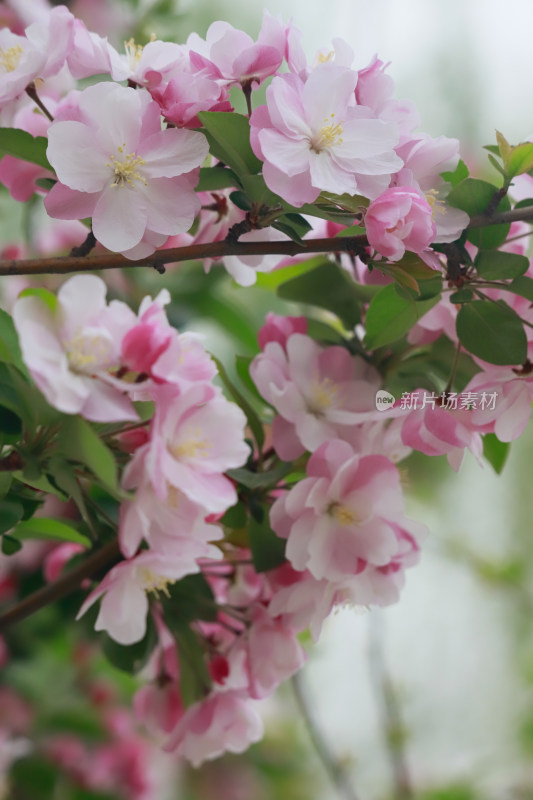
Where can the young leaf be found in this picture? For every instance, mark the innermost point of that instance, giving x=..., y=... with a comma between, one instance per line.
x=10, y=545
x=521, y=159
x=45, y=528
x=495, y=452
x=11, y=511
x=20, y=144
x=78, y=442
x=229, y=140
x=390, y=316
x=459, y=174
x=492, y=332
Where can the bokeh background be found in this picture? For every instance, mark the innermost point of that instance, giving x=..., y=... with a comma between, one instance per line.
x=432, y=698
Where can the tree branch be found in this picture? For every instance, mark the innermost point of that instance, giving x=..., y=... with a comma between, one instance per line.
x=66, y=264
x=60, y=588
x=514, y=215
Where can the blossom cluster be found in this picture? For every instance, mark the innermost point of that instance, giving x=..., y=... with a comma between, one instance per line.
x=127, y=158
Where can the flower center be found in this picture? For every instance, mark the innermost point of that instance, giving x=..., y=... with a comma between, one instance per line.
x=125, y=168
x=133, y=52
x=193, y=446
x=89, y=352
x=152, y=582
x=322, y=395
x=9, y=59
x=329, y=135
x=345, y=516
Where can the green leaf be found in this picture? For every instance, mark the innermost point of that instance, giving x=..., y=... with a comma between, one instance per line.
x=78, y=442
x=462, y=296
x=20, y=144
x=131, y=658
x=10, y=352
x=189, y=599
x=492, y=332
x=474, y=196
x=254, y=422
x=499, y=265
x=520, y=159
x=271, y=280
x=195, y=681
x=497, y=166
x=214, y=178
x=390, y=316
x=46, y=528
x=235, y=517
x=505, y=149
x=459, y=174
x=11, y=511
x=229, y=140
x=293, y=225
x=268, y=550
x=327, y=286
x=522, y=286
x=6, y=479
x=47, y=297
x=242, y=366
x=10, y=545
x=10, y=422
x=495, y=452
x=260, y=480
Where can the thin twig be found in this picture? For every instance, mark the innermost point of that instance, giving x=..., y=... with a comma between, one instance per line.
x=394, y=728
x=66, y=264
x=97, y=560
x=333, y=767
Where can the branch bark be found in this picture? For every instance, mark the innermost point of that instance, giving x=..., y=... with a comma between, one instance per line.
x=67, y=264
x=103, y=557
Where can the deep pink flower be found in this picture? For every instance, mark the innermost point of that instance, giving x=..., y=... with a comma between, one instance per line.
x=400, y=219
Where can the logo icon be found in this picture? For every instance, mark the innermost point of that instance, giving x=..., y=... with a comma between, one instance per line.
x=384, y=400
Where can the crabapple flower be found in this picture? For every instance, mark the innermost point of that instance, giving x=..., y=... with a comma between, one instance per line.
x=222, y=722
x=124, y=589
x=70, y=352
x=348, y=514
x=319, y=393
x=400, y=219
x=278, y=328
x=231, y=55
x=41, y=53
x=116, y=165
x=196, y=436
x=312, y=137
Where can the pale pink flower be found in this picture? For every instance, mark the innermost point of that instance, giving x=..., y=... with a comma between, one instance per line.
x=231, y=55
x=400, y=219
x=375, y=89
x=186, y=94
x=506, y=414
x=319, y=393
x=313, y=137
x=116, y=165
x=222, y=722
x=196, y=436
x=434, y=429
x=347, y=514
x=71, y=351
x=41, y=53
x=19, y=176
x=124, y=605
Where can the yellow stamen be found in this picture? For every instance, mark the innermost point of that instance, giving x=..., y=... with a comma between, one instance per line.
x=87, y=353
x=125, y=170
x=9, y=59
x=192, y=447
x=323, y=395
x=344, y=516
x=329, y=134
x=151, y=582
x=322, y=58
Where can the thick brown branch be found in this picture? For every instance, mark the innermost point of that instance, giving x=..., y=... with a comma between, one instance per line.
x=68, y=583
x=514, y=215
x=64, y=265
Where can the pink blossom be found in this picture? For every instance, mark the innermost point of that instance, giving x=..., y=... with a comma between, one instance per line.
x=58, y=557
x=186, y=94
x=503, y=398
x=400, y=219
x=318, y=392
x=196, y=435
x=347, y=514
x=71, y=351
x=124, y=589
x=20, y=176
x=232, y=56
x=278, y=329
x=438, y=430
x=116, y=165
x=222, y=722
x=159, y=706
x=313, y=137
x=375, y=89
x=39, y=54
